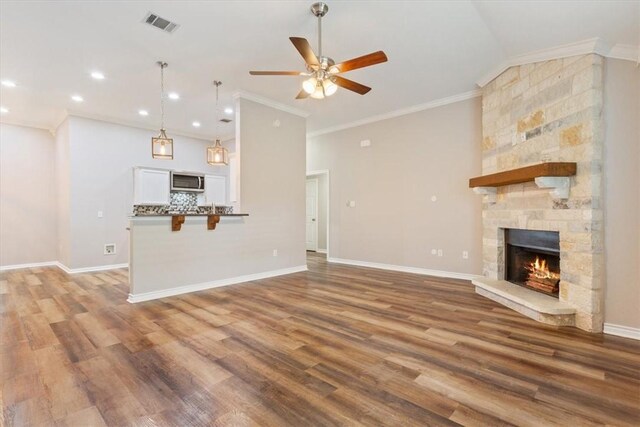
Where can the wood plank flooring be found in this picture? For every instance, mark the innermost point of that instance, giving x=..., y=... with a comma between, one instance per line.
x=337, y=345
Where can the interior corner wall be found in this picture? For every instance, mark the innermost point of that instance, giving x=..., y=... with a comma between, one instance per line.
x=411, y=158
x=622, y=192
x=63, y=194
x=271, y=145
x=28, y=231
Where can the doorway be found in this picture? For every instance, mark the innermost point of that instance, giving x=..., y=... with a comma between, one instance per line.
x=317, y=211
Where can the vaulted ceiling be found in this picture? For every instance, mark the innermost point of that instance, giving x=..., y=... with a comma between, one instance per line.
x=436, y=49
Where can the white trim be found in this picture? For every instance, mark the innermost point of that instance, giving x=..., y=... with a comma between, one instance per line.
x=29, y=265
x=315, y=221
x=147, y=296
x=622, y=331
x=404, y=269
x=625, y=51
x=328, y=195
x=397, y=113
x=89, y=269
x=135, y=125
x=270, y=103
x=23, y=123
x=63, y=267
x=594, y=45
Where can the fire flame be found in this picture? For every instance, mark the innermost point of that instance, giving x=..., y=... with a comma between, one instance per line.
x=540, y=269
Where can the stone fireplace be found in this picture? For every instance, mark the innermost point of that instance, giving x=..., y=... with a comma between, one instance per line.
x=536, y=113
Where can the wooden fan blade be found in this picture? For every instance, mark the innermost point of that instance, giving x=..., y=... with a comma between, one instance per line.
x=302, y=95
x=361, y=62
x=276, y=73
x=305, y=50
x=351, y=85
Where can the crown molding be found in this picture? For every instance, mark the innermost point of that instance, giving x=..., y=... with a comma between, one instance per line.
x=24, y=123
x=397, y=113
x=584, y=47
x=625, y=51
x=135, y=125
x=270, y=103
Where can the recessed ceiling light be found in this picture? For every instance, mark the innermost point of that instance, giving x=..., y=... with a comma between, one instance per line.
x=228, y=110
x=97, y=75
x=174, y=96
x=4, y=110
x=77, y=98
x=8, y=83
x=143, y=112
x=196, y=124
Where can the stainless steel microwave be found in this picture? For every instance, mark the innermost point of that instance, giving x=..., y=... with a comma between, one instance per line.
x=187, y=181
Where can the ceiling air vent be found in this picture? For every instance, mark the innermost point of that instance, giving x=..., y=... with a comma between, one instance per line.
x=161, y=23
x=225, y=120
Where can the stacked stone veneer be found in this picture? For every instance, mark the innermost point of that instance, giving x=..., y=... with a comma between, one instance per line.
x=549, y=112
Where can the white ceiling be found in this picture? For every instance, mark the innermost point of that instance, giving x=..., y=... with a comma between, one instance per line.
x=436, y=49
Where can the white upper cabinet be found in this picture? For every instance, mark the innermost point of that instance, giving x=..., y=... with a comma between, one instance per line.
x=215, y=189
x=151, y=186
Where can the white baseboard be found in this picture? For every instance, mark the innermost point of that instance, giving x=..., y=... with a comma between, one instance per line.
x=322, y=251
x=622, y=331
x=63, y=267
x=147, y=296
x=90, y=269
x=29, y=265
x=405, y=269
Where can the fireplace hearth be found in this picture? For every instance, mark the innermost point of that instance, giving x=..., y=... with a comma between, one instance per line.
x=533, y=260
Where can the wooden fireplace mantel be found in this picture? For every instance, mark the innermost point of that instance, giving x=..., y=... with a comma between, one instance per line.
x=525, y=174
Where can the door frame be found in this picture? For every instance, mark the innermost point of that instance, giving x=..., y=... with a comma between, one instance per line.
x=314, y=179
x=316, y=173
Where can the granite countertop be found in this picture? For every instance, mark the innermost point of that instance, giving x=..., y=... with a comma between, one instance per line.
x=186, y=214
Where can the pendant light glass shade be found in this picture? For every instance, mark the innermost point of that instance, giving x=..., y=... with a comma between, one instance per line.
x=217, y=155
x=162, y=145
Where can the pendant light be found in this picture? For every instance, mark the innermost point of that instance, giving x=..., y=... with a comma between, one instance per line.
x=162, y=145
x=217, y=155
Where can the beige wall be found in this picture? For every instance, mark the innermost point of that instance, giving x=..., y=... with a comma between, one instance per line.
x=272, y=193
x=411, y=158
x=622, y=198
x=28, y=231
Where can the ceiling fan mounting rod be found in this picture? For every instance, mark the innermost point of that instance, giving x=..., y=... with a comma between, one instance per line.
x=319, y=10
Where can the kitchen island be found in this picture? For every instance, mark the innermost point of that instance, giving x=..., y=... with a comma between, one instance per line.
x=163, y=262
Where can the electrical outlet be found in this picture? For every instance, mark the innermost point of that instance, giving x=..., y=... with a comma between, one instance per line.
x=275, y=252
x=434, y=198
x=99, y=214
x=465, y=254
x=110, y=249
x=439, y=252
x=365, y=143
x=351, y=203
x=434, y=252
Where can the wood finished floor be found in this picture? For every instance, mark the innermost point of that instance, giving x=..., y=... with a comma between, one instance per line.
x=338, y=345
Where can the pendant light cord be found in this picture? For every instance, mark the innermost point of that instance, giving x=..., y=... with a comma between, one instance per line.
x=217, y=83
x=163, y=65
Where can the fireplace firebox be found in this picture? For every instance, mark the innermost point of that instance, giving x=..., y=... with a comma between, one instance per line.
x=533, y=259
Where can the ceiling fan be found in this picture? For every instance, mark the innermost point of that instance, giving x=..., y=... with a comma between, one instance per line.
x=322, y=71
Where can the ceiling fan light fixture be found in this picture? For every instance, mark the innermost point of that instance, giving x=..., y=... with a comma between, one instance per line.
x=329, y=87
x=310, y=85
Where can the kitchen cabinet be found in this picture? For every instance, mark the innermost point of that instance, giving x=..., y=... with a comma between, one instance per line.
x=215, y=189
x=151, y=186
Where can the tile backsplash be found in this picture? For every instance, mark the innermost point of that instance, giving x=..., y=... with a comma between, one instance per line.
x=180, y=202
